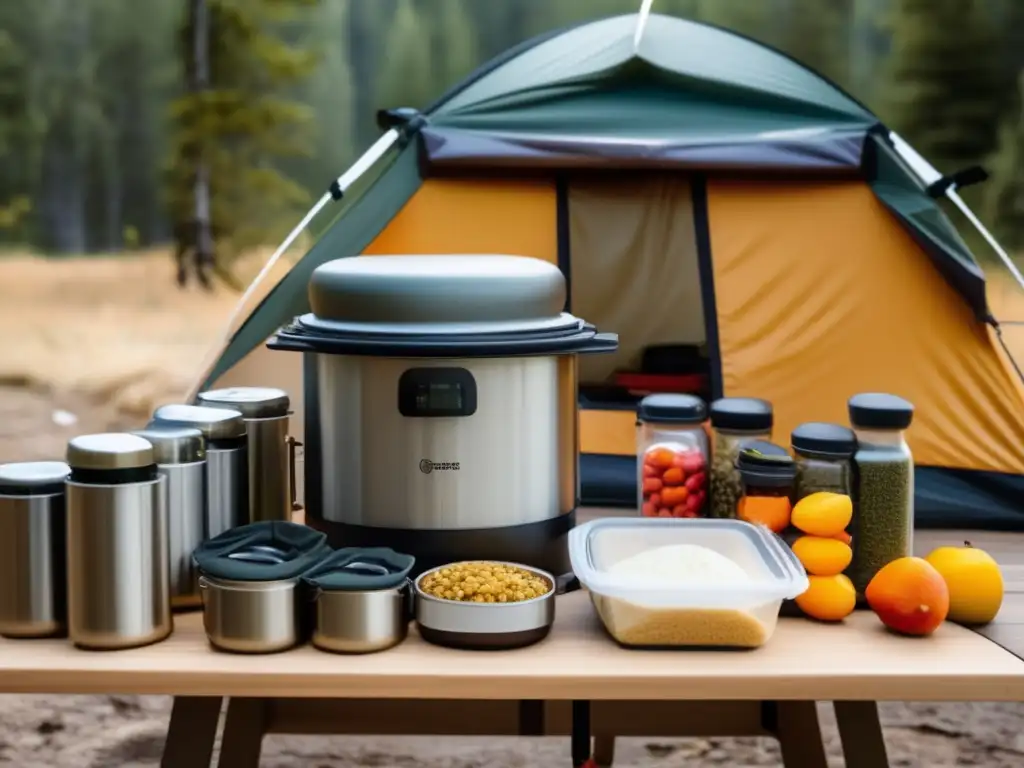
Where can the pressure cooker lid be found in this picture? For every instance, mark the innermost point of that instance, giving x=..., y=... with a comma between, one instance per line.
x=461, y=293
x=251, y=402
x=31, y=478
x=213, y=423
x=110, y=450
x=174, y=445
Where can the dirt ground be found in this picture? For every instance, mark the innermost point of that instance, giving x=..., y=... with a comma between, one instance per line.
x=92, y=345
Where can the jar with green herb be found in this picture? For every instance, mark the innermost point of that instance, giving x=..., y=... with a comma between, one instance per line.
x=734, y=422
x=824, y=458
x=883, y=522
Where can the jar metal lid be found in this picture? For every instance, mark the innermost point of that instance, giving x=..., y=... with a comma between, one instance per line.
x=764, y=463
x=109, y=450
x=25, y=478
x=672, y=409
x=251, y=402
x=820, y=439
x=744, y=414
x=877, y=410
x=174, y=445
x=214, y=423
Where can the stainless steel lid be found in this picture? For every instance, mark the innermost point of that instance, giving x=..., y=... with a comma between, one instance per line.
x=214, y=423
x=24, y=477
x=174, y=445
x=438, y=290
x=110, y=450
x=251, y=402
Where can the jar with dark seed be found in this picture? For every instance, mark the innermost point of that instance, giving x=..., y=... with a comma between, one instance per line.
x=884, y=490
x=734, y=422
x=824, y=458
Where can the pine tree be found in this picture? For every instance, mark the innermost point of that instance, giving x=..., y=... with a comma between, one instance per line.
x=1006, y=189
x=232, y=129
x=817, y=34
x=408, y=77
x=945, y=92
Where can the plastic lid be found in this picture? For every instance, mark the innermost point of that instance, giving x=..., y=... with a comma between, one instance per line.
x=744, y=414
x=877, y=410
x=213, y=423
x=357, y=570
x=817, y=438
x=775, y=572
x=436, y=289
x=672, y=409
x=251, y=402
x=764, y=463
x=111, y=450
x=26, y=478
x=174, y=445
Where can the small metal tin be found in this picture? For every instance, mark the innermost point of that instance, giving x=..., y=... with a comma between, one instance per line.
x=252, y=616
x=485, y=626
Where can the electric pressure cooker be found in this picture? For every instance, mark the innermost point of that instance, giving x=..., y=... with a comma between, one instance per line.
x=441, y=406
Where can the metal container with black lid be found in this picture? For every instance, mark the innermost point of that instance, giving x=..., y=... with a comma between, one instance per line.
x=33, y=584
x=734, y=421
x=117, y=543
x=824, y=458
x=271, y=450
x=180, y=455
x=441, y=406
x=227, y=468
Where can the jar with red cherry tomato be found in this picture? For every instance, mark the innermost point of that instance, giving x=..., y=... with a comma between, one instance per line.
x=672, y=456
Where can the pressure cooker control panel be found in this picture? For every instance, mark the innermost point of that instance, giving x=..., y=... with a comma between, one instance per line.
x=436, y=392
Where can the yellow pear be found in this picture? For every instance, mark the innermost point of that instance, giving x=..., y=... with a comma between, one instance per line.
x=975, y=583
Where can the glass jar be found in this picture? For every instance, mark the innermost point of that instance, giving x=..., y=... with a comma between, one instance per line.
x=734, y=421
x=767, y=475
x=883, y=522
x=672, y=456
x=824, y=459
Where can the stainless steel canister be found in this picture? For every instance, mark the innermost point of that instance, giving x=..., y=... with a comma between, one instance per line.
x=117, y=548
x=252, y=616
x=180, y=455
x=271, y=449
x=33, y=584
x=227, y=469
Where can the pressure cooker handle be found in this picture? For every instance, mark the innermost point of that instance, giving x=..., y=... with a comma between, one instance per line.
x=600, y=343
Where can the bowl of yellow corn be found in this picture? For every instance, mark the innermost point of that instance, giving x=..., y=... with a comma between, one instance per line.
x=484, y=604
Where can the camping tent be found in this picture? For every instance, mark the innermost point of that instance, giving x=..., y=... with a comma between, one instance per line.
x=695, y=187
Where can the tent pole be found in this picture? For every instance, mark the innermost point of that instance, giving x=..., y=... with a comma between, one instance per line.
x=336, y=191
x=953, y=195
x=641, y=23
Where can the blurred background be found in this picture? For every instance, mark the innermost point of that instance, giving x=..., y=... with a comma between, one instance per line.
x=116, y=114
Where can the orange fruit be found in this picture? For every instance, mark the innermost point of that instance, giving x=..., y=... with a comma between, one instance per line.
x=821, y=556
x=844, y=537
x=974, y=580
x=770, y=511
x=828, y=598
x=910, y=596
x=823, y=514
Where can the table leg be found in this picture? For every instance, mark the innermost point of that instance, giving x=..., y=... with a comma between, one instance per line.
x=861, y=734
x=604, y=751
x=799, y=735
x=192, y=732
x=244, y=727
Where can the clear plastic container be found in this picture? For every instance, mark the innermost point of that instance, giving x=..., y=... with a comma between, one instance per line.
x=734, y=421
x=672, y=456
x=649, y=612
x=824, y=458
x=883, y=522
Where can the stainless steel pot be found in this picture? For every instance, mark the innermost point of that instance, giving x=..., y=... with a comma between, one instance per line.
x=361, y=622
x=33, y=583
x=441, y=406
x=252, y=616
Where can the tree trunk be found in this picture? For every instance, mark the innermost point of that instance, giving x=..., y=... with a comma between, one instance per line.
x=204, y=256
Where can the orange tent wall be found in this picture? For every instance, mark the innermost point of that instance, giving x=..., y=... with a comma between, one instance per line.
x=822, y=294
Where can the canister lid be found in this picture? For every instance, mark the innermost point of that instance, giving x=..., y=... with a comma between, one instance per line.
x=877, y=410
x=214, y=423
x=821, y=439
x=110, y=450
x=251, y=402
x=462, y=289
x=745, y=414
x=764, y=463
x=672, y=409
x=174, y=445
x=28, y=478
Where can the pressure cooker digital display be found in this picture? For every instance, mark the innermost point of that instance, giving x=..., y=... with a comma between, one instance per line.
x=436, y=392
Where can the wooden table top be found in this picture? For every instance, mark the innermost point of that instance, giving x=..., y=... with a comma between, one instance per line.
x=804, y=660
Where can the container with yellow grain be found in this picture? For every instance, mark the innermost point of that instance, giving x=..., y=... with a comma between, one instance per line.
x=485, y=605
x=688, y=583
